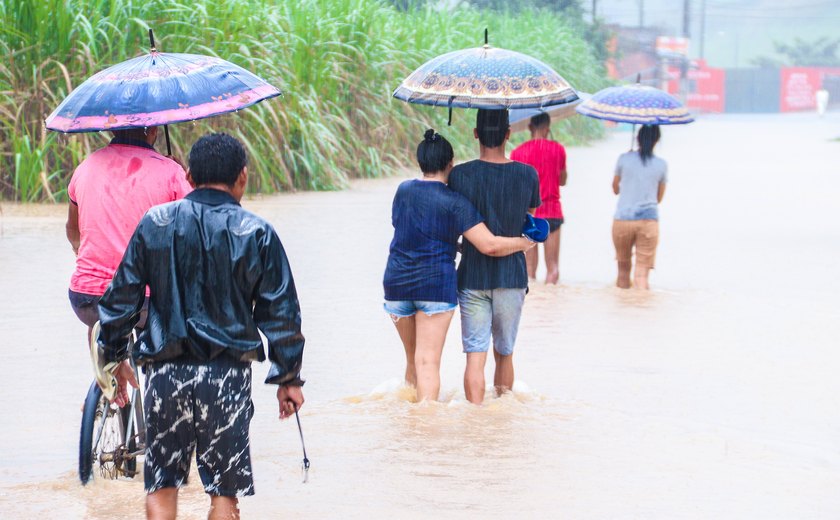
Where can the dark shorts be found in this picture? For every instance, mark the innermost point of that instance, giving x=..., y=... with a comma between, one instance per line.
x=86, y=307
x=554, y=224
x=202, y=408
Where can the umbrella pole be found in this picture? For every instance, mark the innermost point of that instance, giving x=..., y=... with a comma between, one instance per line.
x=168, y=144
x=165, y=127
x=633, y=130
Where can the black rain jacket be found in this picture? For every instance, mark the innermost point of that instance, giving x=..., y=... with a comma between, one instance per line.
x=217, y=274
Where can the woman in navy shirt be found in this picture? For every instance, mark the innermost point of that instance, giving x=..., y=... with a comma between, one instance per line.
x=428, y=218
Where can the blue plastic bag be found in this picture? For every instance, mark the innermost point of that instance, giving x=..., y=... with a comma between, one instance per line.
x=535, y=228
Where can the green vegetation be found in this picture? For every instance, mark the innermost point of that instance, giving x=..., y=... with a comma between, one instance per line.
x=337, y=62
x=821, y=52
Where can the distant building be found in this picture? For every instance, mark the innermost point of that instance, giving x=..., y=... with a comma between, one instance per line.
x=662, y=62
x=632, y=52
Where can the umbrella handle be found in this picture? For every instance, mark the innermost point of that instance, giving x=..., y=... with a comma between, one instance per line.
x=166, y=133
x=165, y=127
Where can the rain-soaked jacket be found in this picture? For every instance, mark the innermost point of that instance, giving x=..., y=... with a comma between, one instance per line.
x=217, y=273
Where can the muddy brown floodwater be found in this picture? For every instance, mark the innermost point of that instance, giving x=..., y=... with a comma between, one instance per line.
x=716, y=395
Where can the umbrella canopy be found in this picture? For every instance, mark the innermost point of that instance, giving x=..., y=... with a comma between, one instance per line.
x=521, y=117
x=485, y=77
x=637, y=104
x=158, y=89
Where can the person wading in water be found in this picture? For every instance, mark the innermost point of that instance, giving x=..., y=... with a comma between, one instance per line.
x=218, y=277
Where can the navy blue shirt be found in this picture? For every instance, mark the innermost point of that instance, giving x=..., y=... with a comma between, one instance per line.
x=503, y=193
x=428, y=218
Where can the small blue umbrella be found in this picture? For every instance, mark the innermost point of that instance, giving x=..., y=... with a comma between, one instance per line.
x=485, y=77
x=636, y=104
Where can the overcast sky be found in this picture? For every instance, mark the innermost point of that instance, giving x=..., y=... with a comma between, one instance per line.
x=736, y=30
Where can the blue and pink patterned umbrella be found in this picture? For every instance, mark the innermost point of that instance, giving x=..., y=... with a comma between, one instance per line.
x=158, y=89
x=636, y=104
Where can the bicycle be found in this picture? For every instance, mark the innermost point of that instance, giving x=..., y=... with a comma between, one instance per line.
x=121, y=433
x=110, y=437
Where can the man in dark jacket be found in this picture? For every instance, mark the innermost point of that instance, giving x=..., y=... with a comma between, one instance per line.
x=218, y=275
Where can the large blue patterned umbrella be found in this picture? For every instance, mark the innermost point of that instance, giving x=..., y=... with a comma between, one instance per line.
x=636, y=104
x=485, y=77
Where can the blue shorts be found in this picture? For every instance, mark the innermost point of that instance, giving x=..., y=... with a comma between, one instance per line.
x=407, y=308
x=495, y=311
x=86, y=307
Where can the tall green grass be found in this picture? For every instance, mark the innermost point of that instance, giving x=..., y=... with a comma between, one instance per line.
x=337, y=62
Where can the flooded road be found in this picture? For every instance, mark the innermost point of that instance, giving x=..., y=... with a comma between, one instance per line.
x=716, y=395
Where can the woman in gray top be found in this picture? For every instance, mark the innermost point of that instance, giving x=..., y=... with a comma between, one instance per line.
x=639, y=182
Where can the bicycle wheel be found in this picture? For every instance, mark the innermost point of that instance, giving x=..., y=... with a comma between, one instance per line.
x=102, y=438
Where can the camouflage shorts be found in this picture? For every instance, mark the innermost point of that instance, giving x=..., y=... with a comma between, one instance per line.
x=202, y=408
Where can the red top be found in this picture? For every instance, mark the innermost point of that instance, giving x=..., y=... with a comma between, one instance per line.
x=549, y=159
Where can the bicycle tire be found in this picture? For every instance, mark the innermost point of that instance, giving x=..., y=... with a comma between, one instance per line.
x=87, y=456
x=130, y=469
x=86, y=433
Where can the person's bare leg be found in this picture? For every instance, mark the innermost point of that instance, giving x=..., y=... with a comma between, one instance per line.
x=623, y=280
x=162, y=504
x=431, y=335
x=406, y=328
x=532, y=259
x=503, y=377
x=640, y=277
x=552, y=257
x=223, y=508
x=474, y=377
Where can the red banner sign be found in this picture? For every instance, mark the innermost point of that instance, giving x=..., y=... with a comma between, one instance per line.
x=709, y=87
x=800, y=86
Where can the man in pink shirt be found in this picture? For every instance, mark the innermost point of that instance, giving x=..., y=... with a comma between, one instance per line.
x=549, y=159
x=109, y=192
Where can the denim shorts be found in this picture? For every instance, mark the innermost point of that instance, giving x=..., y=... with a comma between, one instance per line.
x=406, y=308
x=86, y=307
x=486, y=312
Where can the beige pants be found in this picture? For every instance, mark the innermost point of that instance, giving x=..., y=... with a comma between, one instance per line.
x=643, y=234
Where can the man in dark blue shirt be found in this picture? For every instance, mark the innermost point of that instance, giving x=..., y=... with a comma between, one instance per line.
x=491, y=290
